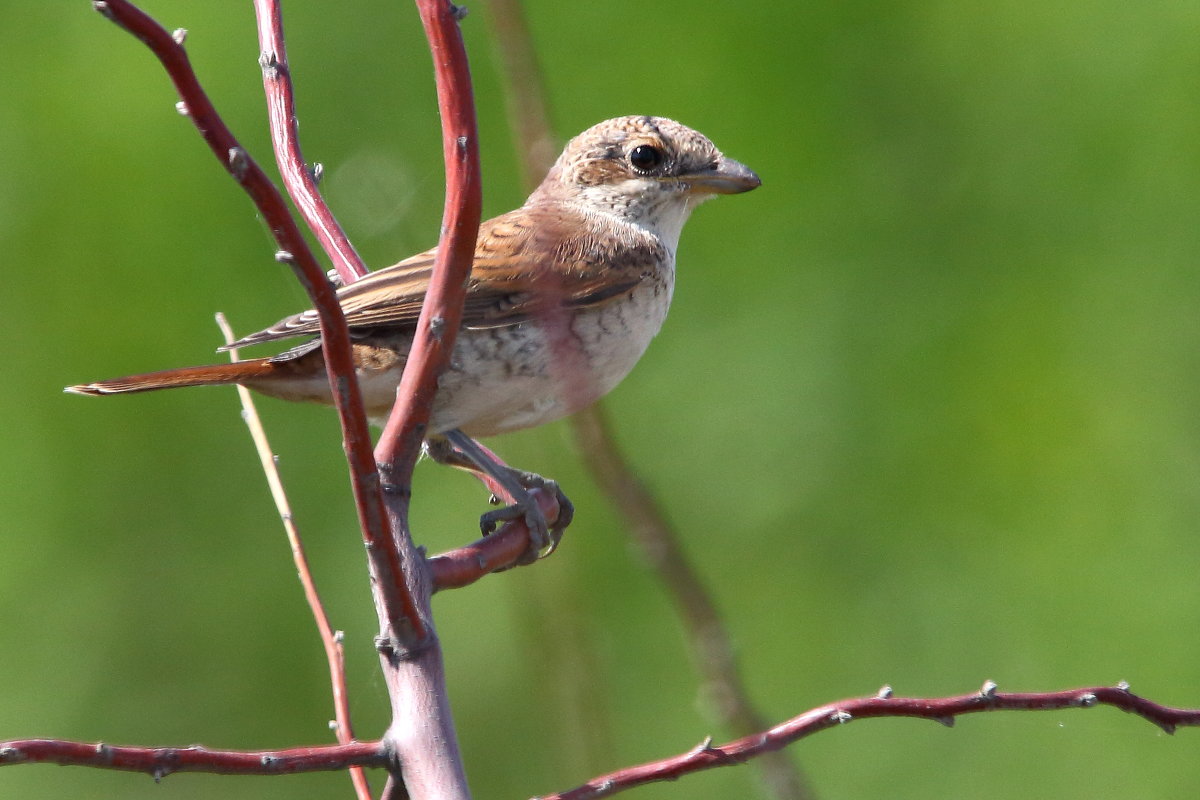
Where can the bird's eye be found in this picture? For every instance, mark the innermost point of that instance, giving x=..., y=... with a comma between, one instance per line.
x=645, y=157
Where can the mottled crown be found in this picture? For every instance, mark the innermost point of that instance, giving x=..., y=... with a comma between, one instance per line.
x=602, y=154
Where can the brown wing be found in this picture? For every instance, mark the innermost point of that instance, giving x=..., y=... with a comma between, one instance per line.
x=525, y=261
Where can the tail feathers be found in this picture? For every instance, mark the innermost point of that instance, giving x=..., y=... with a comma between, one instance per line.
x=215, y=375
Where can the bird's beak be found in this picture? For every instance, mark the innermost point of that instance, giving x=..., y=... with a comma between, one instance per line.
x=727, y=177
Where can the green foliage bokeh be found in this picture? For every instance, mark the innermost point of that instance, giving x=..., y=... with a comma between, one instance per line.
x=925, y=409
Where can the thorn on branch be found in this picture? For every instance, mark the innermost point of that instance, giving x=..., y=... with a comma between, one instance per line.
x=841, y=717
x=239, y=162
x=269, y=62
x=284, y=257
x=458, y=12
x=884, y=693
x=988, y=690
x=102, y=7
x=385, y=646
x=1087, y=700
x=179, y=35
x=317, y=171
x=182, y=108
x=1123, y=686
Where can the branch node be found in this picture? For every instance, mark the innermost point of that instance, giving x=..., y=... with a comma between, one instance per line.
x=159, y=773
x=988, y=690
x=841, y=717
x=703, y=747
x=458, y=12
x=437, y=326
x=317, y=170
x=270, y=761
x=396, y=489
x=103, y=752
x=182, y=108
x=885, y=692
x=102, y=7
x=269, y=62
x=1087, y=699
x=284, y=257
x=1123, y=686
x=11, y=755
x=947, y=721
x=179, y=35
x=239, y=162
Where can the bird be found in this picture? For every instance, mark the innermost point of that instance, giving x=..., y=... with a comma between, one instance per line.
x=564, y=296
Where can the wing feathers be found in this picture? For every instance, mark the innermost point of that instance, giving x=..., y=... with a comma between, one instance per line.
x=526, y=261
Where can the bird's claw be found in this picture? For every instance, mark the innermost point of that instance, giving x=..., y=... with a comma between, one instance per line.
x=543, y=536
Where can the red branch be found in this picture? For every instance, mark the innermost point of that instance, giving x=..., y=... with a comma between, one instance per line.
x=162, y=761
x=295, y=252
x=943, y=710
x=441, y=315
x=299, y=179
x=504, y=548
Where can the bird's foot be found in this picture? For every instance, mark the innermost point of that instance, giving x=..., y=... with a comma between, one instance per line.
x=459, y=450
x=543, y=536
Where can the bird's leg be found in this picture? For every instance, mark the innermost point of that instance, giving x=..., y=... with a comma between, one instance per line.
x=456, y=449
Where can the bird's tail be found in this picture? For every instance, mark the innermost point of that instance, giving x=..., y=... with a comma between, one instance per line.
x=214, y=375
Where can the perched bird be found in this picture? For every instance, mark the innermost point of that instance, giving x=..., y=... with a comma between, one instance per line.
x=564, y=295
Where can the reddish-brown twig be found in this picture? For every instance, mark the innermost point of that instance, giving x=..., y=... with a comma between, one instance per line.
x=441, y=314
x=298, y=177
x=162, y=761
x=330, y=639
x=707, y=755
x=504, y=548
x=386, y=563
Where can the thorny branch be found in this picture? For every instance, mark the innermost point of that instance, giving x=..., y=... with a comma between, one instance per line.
x=295, y=253
x=706, y=755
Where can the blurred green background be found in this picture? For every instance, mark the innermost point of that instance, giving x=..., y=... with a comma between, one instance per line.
x=925, y=409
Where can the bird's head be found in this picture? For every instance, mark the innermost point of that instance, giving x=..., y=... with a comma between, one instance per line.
x=650, y=171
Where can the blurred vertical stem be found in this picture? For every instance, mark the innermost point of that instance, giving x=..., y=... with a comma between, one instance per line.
x=712, y=648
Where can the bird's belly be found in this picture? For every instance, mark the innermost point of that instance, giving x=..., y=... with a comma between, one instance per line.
x=519, y=376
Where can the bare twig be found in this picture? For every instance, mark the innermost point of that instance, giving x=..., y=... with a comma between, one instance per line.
x=330, y=639
x=707, y=755
x=441, y=314
x=298, y=177
x=385, y=558
x=162, y=761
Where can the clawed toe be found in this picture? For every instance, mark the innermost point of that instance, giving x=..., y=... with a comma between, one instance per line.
x=543, y=537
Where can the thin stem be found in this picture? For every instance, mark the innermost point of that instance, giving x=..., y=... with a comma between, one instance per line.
x=299, y=179
x=330, y=639
x=159, y=762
